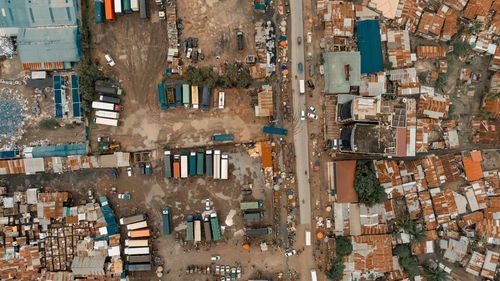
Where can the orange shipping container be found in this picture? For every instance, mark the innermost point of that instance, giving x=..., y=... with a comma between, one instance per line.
x=109, y=10
x=177, y=170
x=139, y=233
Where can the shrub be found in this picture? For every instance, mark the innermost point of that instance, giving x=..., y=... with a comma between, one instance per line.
x=48, y=124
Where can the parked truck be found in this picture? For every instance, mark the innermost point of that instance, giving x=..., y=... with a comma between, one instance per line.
x=139, y=233
x=106, y=121
x=138, y=266
x=161, y=96
x=190, y=229
x=185, y=95
x=118, y=7
x=275, y=131
x=184, y=165
x=177, y=166
x=99, y=11
x=250, y=232
x=227, y=137
x=250, y=205
x=208, y=231
x=302, y=87
x=214, y=222
x=132, y=219
x=200, y=163
x=216, y=164
x=253, y=215
x=137, y=225
x=107, y=114
x=170, y=93
x=136, y=243
x=134, y=5
x=239, y=34
x=136, y=251
x=108, y=90
x=224, y=167
x=167, y=229
x=139, y=259
x=106, y=106
x=209, y=159
x=167, y=160
x=143, y=9
x=109, y=99
x=194, y=97
x=109, y=10
x=178, y=94
x=205, y=100
x=126, y=6
x=197, y=228
x=192, y=163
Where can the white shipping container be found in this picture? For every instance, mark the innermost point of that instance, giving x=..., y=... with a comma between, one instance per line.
x=184, y=166
x=308, y=238
x=104, y=105
x=221, y=100
x=118, y=7
x=132, y=219
x=137, y=242
x=137, y=251
x=314, y=277
x=134, y=5
x=216, y=164
x=107, y=114
x=137, y=225
x=106, y=121
x=224, y=167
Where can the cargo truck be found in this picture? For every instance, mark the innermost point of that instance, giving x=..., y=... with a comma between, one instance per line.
x=143, y=9
x=109, y=99
x=139, y=233
x=194, y=96
x=228, y=137
x=302, y=87
x=308, y=238
x=107, y=114
x=200, y=163
x=136, y=243
x=250, y=232
x=139, y=259
x=134, y=5
x=239, y=34
x=185, y=95
x=99, y=11
x=167, y=160
x=106, y=121
x=137, y=225
x=197, y=228
x=209, y=159
x=184, y=165
x=275, y=131
x=250, y=205
x=136, y=251
x=177, y=166
x=167, y=229
x=126, y=6
x=178, y=94
x=161, y=96
x=109, y=10
x=208, y=231
x=252, y=215
x=224, y=167
x=216, y=164
x=132, y=219
x=189, y=229
x=214, y=222
x=192, y=163
x=118, y=7
x=205, y=100
x=108, y=90
x=138, y=266
x=106, y=106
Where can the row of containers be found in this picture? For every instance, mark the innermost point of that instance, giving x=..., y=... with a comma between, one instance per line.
x=211, y=163
x=106, y=10
x=189, y=96
x=211, y=228
x=138, y=244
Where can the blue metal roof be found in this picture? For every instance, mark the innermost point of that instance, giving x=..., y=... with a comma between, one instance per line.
x=369, y=45
x=36, y=13
x=59, y=150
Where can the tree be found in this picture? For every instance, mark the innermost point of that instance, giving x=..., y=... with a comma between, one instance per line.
x=473, y=28
x=441, y=82
x=405, y=222
x=343, y=246
x=336, y=271
x=410, y=265
x=422, y=76
x=210, y=77
x=418, y=236
x=366, y=184
x=402, y=251
x=435, y=274
x=461, y=48
x=388, y=65
x=48, y=124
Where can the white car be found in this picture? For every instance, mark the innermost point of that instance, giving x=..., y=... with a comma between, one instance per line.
x=129, y=171
x=188, y=54
x=207, y=204
x=312, y=108
x=217, y=270
x=109, y=59
x=238, y=272
x=290, y=253
x=215, y=258
x=328, y=222
x=312, y=116
x=302, y=115
x=309, y=37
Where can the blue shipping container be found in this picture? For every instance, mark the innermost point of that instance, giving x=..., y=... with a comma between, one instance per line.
x=178, y=94
x=99, y=11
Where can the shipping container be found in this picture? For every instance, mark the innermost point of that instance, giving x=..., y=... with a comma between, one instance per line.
x=134, y=5
x=143, y=9
x=189, y=229
x=118, y=7
x=185, y=95
x=302, y=87
x=216, y=164
x=249, y=205
x=10, y=154
x=138, y=266
x=192, y=163
x=106, y=121
x=126, y=6
x=109, y=10
x=177, y=166
x=178, y=94
x=221, y=100
x=99, y=11
x=184, y=165
x=308, y=238
x=139, y=259
x=167, y=229
x=136, y=243
x=208, y=231
x=106, y=106
x=132, y=219
x=197, y=230
x=137, y=225
x=161, y=94
x=167, y=163
x=139, y=233
x=107, y=114
x=109, y=99
x=275, y=131
x=108, y=90
x=214, y=222
x=210, y=163
x=250, y=232
x=200, y=163
x=252, y=215
x=224, y=166
x=170, y=93
x=194, y=97
x=205, y=99
x=227, y=137
x=314, y=277
x=136, y=251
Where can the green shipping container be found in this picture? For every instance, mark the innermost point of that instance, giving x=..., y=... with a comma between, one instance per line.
x=185, y=95
x=215, y=228
x=190, y=229
x=200, y=169
x=126, y=6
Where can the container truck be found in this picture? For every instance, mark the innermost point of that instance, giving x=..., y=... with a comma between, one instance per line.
x=189, y=229
x=253, y=215
x=249, y=205
x=109, y=99
x=107, y=114
x=138, y=266
x=214, y=222
x=224, y=167
x=138, y=233
x=209, y=159
x=216, y=164
x=250, y=232
x=208, y=231
x=139, y=259
x=106, y=121
x=108, y=90
x=177, y=166
x=178, y=94
x=109, y=10
x=118, y=7
x=161, y=95
x=302, y=87
x=194, y=97
x=185, y=95
x=205, y=99
x=200, y=163
x=126, y=6
x=275, y=131
x=106, y=106
x=192, y=163
x=228, y=137
x=136, y=243
x=143, y=9
x=197, y=228
x=308, y=238
x=184, y=165
x=136, y=251
x=134, y=5
x=167, y=229
x=132, y=219
x=167, y=163
x=99, y=11
x=137, y=225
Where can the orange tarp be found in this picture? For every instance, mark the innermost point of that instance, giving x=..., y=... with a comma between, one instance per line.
x=344, y=181
x=265, y=151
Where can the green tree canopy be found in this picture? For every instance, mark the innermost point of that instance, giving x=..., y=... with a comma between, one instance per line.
x=402, y=251
x=366, y=184
x=48, y=124
x=336, y=271
x=435, y=274
x=343, y=246
x=461, y=48
x=410, y=265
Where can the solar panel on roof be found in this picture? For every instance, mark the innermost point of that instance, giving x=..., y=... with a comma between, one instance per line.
x=59, y=114
x=57, y=96
x=77, y=110
x=75, y=95
x=74, y=81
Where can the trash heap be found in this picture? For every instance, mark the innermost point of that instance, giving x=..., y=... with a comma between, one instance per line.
x=265, y=36
x=13, y=114
x=172, y=37
x=6, y=47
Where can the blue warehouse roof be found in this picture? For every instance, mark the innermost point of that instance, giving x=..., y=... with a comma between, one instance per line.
x=369, y=45
x=36, y=13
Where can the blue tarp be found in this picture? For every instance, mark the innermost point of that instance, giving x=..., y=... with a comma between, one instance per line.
x=9, y=154
x=369, y=45
x=59, y=150
x=282, y=38
x=260, y=7
x=112, y=227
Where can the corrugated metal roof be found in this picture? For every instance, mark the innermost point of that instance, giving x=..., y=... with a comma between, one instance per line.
x=35, y=13
x=88, y=265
